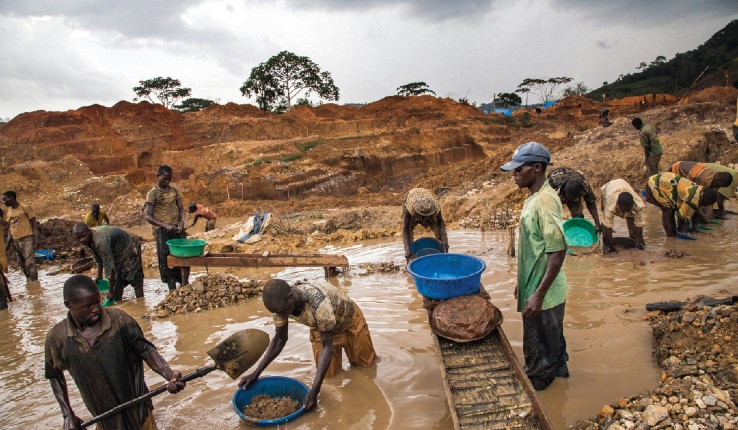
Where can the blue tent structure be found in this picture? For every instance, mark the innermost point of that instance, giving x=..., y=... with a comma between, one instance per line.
x=506, y=112
x=548, y=104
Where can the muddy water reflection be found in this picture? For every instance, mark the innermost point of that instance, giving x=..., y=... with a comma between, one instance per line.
x=609, y=343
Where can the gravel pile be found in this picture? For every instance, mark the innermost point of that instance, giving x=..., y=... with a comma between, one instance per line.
x=699, y=386
x=210, y=291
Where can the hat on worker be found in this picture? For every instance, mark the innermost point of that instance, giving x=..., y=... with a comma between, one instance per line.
x=425, y=206
x=420, y=201
x=531, y=152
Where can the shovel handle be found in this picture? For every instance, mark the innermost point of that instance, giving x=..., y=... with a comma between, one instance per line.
x=202, y=371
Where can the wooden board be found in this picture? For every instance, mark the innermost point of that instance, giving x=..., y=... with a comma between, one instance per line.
x=485, y=384
x=259, y=260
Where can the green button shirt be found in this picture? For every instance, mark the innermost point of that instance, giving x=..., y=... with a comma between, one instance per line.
x=541, y=233
x=650, y=140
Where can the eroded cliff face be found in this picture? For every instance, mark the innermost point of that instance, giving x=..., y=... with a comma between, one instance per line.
x=335, y=156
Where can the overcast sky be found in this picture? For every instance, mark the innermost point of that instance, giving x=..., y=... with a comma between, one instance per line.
x=64, y=54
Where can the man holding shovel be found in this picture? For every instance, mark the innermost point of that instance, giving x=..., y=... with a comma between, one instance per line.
x=104, y=350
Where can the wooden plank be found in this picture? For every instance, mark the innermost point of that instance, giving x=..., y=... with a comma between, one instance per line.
x=258, y=260
x=523, y=378
x=467, y=370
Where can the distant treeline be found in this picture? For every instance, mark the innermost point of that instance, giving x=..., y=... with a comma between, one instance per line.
x=714, y=63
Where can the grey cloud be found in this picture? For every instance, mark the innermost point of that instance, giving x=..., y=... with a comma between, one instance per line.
x=603, y=44
x=433, y=10
x=138, y=23
x=656, y=13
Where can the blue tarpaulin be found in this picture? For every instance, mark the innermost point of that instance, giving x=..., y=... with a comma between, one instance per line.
x=506, y=112
x=548, y=103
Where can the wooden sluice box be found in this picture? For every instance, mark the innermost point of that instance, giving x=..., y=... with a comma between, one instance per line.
x=485, y=384
x=329, y=261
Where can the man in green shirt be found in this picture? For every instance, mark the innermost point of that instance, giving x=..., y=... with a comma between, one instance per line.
x=652, y=149
x=541, y=288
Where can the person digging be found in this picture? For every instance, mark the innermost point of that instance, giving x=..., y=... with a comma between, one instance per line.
x=118, y=257
x=618, y=199
x=200, y=211
x=336, y=322
x=103, y=349
x=678, y=197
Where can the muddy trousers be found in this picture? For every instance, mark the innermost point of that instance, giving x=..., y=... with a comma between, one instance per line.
x=168, y=276
x=26, y=257
x=3, y=292
x=652, y=165
x=356, y=341
x=544, y=347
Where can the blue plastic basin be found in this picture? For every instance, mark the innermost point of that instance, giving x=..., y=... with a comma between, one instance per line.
x=444, y=276
x=426, y=243
x=275, y=386
x=43, y=254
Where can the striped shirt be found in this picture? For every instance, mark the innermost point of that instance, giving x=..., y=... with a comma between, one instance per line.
x=165, y=204
x=326, y=308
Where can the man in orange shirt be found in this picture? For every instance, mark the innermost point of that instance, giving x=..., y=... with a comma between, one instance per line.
x=200, y=211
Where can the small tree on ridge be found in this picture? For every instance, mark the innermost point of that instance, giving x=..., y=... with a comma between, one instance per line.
x=279, y=80
x=167, y=91
x=414, y=89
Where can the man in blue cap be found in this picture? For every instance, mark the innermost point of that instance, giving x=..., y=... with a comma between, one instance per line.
x=541, y=288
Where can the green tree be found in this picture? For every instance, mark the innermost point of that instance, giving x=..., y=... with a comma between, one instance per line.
x=167, y=91
x=545, y=89
x=276, y=82
x=414, y=89
x=577, y=90
x=192, y=104
x=504, y=100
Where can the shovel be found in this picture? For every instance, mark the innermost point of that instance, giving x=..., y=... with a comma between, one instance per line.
x=233, y=356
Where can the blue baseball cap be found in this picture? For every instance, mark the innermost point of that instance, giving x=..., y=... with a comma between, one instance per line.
x=531, y=152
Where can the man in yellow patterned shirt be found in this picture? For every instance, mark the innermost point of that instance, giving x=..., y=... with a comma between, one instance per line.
x=680, y=197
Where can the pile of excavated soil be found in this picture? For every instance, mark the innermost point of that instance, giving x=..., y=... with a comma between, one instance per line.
x=210, y=291
x=364, y=269
x=699, y=387
x=711, y=94
x=56, y=234
x=265, y=407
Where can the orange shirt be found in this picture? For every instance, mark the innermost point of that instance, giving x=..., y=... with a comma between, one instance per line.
x=205, y=212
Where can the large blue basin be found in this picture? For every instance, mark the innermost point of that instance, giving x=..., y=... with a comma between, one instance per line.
x=444, y=276
x=433, y=246
x=275, y=386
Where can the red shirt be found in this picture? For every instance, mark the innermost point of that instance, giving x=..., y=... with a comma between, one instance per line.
x=205, y=212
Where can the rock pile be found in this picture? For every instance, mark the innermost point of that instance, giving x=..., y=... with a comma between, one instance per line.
x=363, y=269
x=676, y=253
x=214, y=290
x=699, y=386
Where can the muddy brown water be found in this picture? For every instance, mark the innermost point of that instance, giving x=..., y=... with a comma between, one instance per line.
x=608, y=341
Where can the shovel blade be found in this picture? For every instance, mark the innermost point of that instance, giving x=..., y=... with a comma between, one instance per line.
x=239, y=351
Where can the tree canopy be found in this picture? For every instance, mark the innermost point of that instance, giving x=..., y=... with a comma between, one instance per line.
x=166, y=90
x=544, y=88
x=577, y=90
x=192, y=104
x=414, y=89
x=504, y=100
x=279, y=80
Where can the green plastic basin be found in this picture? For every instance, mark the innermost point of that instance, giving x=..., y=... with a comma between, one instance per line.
x=103, y=285
x=186, y=247
x=580, y=232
